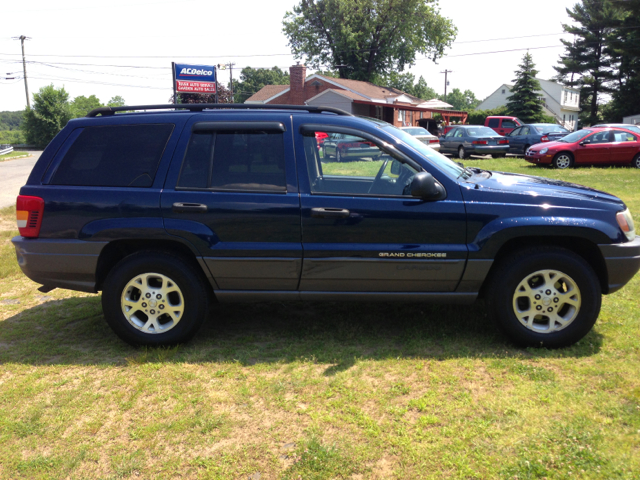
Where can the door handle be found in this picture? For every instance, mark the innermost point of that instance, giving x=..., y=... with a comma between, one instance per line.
x=330, y=212
x=180, y=207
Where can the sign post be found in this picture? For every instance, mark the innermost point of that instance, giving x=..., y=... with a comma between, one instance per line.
x=194, y=79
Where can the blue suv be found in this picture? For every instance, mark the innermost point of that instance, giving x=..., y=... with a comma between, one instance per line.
x=166, y=210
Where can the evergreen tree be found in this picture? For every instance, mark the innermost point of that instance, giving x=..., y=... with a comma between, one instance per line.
x=625, y=48
x=525, y=102
x=587, y=62
x=50, y=113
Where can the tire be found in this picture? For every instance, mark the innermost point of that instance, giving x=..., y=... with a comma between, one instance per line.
x=527, y=310
x=526, y=147
x=338, y=155
x=462, y=154
x=636, y=161
x=496, y=155
x=181, y=294
x=563, y=160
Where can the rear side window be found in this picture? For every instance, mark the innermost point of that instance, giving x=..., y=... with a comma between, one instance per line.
x=239, y=160
x=114, y=156
x=494, y=123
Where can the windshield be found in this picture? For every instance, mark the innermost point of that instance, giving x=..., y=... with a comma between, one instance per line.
x=481, y=132
x=550, y=128
x=416, y=131
x=440, y=161
x=575, y=136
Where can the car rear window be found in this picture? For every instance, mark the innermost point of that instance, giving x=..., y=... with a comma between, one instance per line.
x=114, y=156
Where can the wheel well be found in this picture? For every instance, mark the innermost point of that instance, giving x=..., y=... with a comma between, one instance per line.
x=588, y=250
x=115, y=251
x=569, y=152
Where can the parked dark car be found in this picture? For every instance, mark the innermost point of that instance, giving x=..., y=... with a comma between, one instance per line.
x=589, y=146
x=168, y=210
x=465, y=140
x=523, y=137
x=344, y=147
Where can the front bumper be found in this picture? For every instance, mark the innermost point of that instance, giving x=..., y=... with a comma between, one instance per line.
x=537, y=158
x=622, y=261
x=67, y=264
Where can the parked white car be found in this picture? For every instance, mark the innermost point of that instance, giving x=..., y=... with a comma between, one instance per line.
x=424, y=136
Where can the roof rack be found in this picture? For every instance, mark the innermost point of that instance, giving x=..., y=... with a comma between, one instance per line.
x=198, y=107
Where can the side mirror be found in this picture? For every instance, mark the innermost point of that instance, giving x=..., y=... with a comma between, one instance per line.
x=426, y=187
x=584, y=142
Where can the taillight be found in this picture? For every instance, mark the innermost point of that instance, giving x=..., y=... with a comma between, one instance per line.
x=479, y=142
x=503, y=142
x=434, y=141
x=29, y=211
x=544, y=138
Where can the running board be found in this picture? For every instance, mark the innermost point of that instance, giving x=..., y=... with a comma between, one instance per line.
x=230, y=296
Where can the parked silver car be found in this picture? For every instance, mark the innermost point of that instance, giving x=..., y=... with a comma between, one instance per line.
x=424, y=136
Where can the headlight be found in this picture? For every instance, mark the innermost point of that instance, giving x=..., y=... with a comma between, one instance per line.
x=543, y=151
x=625, y=220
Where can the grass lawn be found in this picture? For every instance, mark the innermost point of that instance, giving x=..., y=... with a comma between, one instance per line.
x=318, y=391
x=12, y=155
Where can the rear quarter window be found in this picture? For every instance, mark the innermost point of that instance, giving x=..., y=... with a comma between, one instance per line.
x=114, y=156
x=494, y=123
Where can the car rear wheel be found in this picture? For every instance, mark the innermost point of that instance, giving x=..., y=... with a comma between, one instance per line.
x=563, y=160
x=154, y=298
x=496, y=155
x=545, y=297
x=636, y=161
x=338, y=155
x=462, y=154
x=526, y=147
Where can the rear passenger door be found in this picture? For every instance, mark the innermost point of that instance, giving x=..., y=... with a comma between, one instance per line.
x=232, y=192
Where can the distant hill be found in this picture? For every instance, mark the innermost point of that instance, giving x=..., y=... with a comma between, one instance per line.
x=11, y=120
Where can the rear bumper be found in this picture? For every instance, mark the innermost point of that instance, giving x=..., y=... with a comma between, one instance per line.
x=67, y=264
x=622, y=261
x=490, y=149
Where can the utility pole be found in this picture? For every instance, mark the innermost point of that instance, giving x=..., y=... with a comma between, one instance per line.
x=22, y=38
x=223, y=66
x=445, y=82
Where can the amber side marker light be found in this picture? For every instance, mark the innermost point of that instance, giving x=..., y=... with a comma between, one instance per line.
x=29, y=211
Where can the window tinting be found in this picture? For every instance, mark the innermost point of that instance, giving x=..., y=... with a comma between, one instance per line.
x=251, y=160
x=508, y=124
x=494, y=122
x=197, y=161
x=114, y=156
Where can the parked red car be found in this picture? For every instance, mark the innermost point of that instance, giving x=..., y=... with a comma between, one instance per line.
x=590, y=146
x=503, y=125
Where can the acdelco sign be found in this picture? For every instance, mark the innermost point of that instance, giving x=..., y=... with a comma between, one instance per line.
x=195, y=73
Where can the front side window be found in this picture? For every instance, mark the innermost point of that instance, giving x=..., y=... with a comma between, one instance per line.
x=508, y=124
x=114, y=156
x=600, y=137
x=239, y=160
x=354, y=166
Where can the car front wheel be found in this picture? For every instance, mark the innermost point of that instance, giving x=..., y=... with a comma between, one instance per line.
x=636, y=161
x=462, y=154
x=563, y=160
x=545, y=297
x=154, y=298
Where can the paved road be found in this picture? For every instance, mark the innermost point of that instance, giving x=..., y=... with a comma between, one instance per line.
x=13, y=175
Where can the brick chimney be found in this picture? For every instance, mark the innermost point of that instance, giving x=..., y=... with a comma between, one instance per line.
x=298, y=74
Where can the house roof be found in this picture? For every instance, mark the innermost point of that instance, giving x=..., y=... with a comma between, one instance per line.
x=355, y=89
x=344, y=93
x=266, y=92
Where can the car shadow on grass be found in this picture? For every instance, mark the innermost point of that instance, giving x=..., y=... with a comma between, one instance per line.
x=73, y=331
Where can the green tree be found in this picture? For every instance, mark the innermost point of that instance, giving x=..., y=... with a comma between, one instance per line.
x=363, y=39
x=253, y=79
x=525, y=102
x=423, y=91
x=460, y=100
x=50, y=113
x=82, y=105
x=587, y=62
x=625, y=48
x=116, y=101
x=405, y=83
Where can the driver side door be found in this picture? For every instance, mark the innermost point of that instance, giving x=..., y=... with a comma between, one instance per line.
x=363, y=232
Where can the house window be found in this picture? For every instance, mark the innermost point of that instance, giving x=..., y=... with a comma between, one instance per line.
x=564, y=118
x=400, y=112
x=565, y=96
x=503, y=91
x=379, y=113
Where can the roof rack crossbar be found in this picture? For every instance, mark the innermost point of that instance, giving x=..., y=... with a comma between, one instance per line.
x=198, y=107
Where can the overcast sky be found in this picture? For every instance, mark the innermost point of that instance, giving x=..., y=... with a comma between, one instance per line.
x=126, y=47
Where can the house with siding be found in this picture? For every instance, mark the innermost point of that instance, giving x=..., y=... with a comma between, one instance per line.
x=560, y=102
x=353, y=96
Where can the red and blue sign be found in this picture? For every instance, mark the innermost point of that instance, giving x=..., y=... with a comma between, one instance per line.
x=195, y=78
